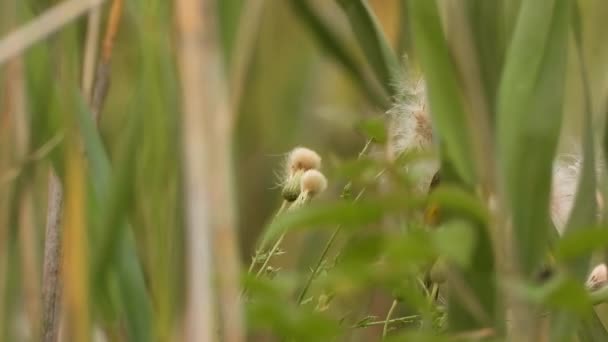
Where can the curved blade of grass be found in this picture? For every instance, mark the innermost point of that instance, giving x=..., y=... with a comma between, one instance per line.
x=443, y=90
x=372, y=41
x=583, y=214
x=529, y=120
x=487, y=22
x=584, y=211
x=330, y=40
x=110, y=192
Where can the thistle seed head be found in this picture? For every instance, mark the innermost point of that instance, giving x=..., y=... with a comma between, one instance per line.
x=302, y=158
x=313, y=182
x=291, y=187
x=299, y=160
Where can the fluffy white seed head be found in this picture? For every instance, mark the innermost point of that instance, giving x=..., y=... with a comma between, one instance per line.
x=411, y=130
x=598, y=277
x=410, y=123
x=566, y=172
x=566, y=175
x=313, y=182
x=302, y=158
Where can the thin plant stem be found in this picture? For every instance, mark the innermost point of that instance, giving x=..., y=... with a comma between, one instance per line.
x=51, y=292
x=259, y=251
x=388, y=318
x=208, y=187
x=51, y=288
x=333, y=236
x=43, y=26
x=406, y=319
x=100, y=88
x=272, y=251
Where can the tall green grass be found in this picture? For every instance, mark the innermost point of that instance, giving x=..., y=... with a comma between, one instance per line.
x=510, y=84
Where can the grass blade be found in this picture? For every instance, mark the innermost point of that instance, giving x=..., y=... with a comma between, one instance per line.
x=373, y=42
x=529, y=121
x=330, y=40
x=443, y=90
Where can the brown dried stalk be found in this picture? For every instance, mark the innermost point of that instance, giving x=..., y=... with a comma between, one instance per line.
x=52, y=253
x=206, y=131
x=51, y=293
x=102, y=77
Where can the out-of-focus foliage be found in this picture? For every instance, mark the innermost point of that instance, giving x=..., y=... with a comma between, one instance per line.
x=362, y=262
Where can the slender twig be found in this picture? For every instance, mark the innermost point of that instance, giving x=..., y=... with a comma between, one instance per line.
x=270, y=254
x=52, y=246
x=388, y=318
x=15, y=92
x=43, y=26
x=90, y=54
x=13, y=172
x=406, y=319
x=259, y=252
x=207, y=140
x=333, y=236
x=102, y=75
x=51, y=292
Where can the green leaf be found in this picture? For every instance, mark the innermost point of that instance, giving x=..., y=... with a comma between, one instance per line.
x=332, y=42
x=581, y=242
x=455, y=240
x=372, y=42
x=559, y=292
x=487, y=23
x=458, y=201
x=529, y=113
x=345, y=213
x=442, y=84
x=584, y=210
x=118, y=246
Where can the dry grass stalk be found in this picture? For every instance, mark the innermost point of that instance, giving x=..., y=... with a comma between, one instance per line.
x=51, y=288
x=102, y=76
x=43, y=26
x=206, y=157
x=52, y=249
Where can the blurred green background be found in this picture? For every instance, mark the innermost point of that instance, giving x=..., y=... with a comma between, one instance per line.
x=296, y=91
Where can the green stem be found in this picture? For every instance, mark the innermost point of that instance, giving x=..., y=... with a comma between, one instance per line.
x=333, y=236
x=258, y=252
x=388, y=318
x=406, y=319
x=270, y=254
